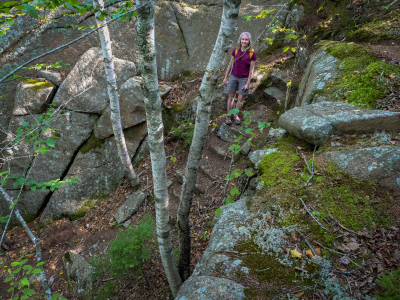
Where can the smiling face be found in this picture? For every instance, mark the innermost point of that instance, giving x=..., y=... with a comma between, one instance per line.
x=245, y=41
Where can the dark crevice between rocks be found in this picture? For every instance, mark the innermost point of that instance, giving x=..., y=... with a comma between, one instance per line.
x=180, y=29
x=63, y=175
x=139, y=148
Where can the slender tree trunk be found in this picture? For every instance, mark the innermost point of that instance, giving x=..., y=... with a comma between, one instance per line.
x=224, y=40
x=108, y=59
x=34, y=239
x=148, y=65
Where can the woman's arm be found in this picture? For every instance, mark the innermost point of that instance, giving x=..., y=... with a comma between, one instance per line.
x=252, y=64
x=227, y=70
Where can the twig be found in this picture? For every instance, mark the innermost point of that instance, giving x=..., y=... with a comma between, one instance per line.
x=392, y=3
x=317, y=212
x=229, y=175
x=312, y=215
x=5, y=228
x=344, y=228
x=312, y=250
x=300, y=269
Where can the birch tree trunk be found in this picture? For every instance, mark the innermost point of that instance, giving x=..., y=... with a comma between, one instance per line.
x=224, y=40
x=155, y=127
x=108, y=59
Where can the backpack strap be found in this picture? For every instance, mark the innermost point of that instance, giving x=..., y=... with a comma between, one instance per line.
x=236, y=52
x=251, y=54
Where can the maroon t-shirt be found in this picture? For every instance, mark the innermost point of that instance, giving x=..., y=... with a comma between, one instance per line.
x=241, y=66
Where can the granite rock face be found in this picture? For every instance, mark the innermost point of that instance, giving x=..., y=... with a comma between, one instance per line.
x=32, y=96
x=131, y=205
x=316, y=123
x=257, y=156
x=375, y=163
x=99, y=170
x=132, y=110
x=224, y=237
x=321, y=68
x=73, y=130
x=85, y=88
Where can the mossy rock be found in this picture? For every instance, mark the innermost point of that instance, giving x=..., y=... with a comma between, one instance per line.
x=36, y=84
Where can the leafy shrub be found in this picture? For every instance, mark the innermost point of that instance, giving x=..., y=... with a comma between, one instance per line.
x=184, y=132
x=127, y=253
x=391, y=284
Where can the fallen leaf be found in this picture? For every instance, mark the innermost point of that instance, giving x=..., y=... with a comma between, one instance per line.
x=299, y=295
x=392, y=76
x=295, y=253
x=309, y=253
x=317, y=251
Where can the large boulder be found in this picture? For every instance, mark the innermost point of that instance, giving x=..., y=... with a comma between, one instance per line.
x=382, y=164
x=321, y=69
x=73, y=130
x=227, y=233
x=85, y=88
x=99, y=169
x=32, y=96
x=208, y=287
x=79, y=270
x=316, y=123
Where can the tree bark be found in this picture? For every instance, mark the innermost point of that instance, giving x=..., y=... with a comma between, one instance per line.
x=148, y=65
x=108, y=60
x=224, y=40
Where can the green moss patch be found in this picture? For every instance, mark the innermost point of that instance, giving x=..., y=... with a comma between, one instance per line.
x=270, y=273
x=355, y=203
x=363, y=80
x=37, y=85
x=82, y=211
x=377, y=30
x=93, y=142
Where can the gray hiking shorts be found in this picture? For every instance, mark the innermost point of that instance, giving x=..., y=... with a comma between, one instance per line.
x=237, y=84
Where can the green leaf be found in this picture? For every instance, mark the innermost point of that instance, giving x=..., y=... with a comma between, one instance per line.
x=285, y=49
x=9, y=3
x=27, y=267
x=245, y=112
x=36, y=271
x=238, y=138
x=31, y=10
x=229, y=200
x=248, y=130
x=233, y=111
x=25, y=281
x=23, y=262
x=9, y=277
x=28, y=292
x=247, y=122
x=55, y=296
x=235, y=191
x=25, y=124
x=17, y=270
x=15, y=263
x=23, y=297
x=33, y=187
x=248, y=172
x=240, y=128
x=50, y=143
x=40, y=264
x=43, y=188
x=218, y=212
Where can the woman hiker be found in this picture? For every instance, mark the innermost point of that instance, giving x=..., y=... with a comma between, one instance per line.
x=243, y=59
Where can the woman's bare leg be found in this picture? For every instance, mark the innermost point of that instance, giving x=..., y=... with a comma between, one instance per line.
x=239, y=105
x=230, y=101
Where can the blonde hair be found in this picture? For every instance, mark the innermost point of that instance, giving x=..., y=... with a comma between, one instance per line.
x=239, y=44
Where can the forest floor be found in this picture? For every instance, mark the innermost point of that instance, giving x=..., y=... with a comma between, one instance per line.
x=91, y=234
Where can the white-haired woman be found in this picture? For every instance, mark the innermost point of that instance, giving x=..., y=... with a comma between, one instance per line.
x=243, y=60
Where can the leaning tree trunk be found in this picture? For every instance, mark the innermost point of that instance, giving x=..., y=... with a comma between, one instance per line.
x=34, y=239
x=148, y=65
x=224, y=40
x=108, y=59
